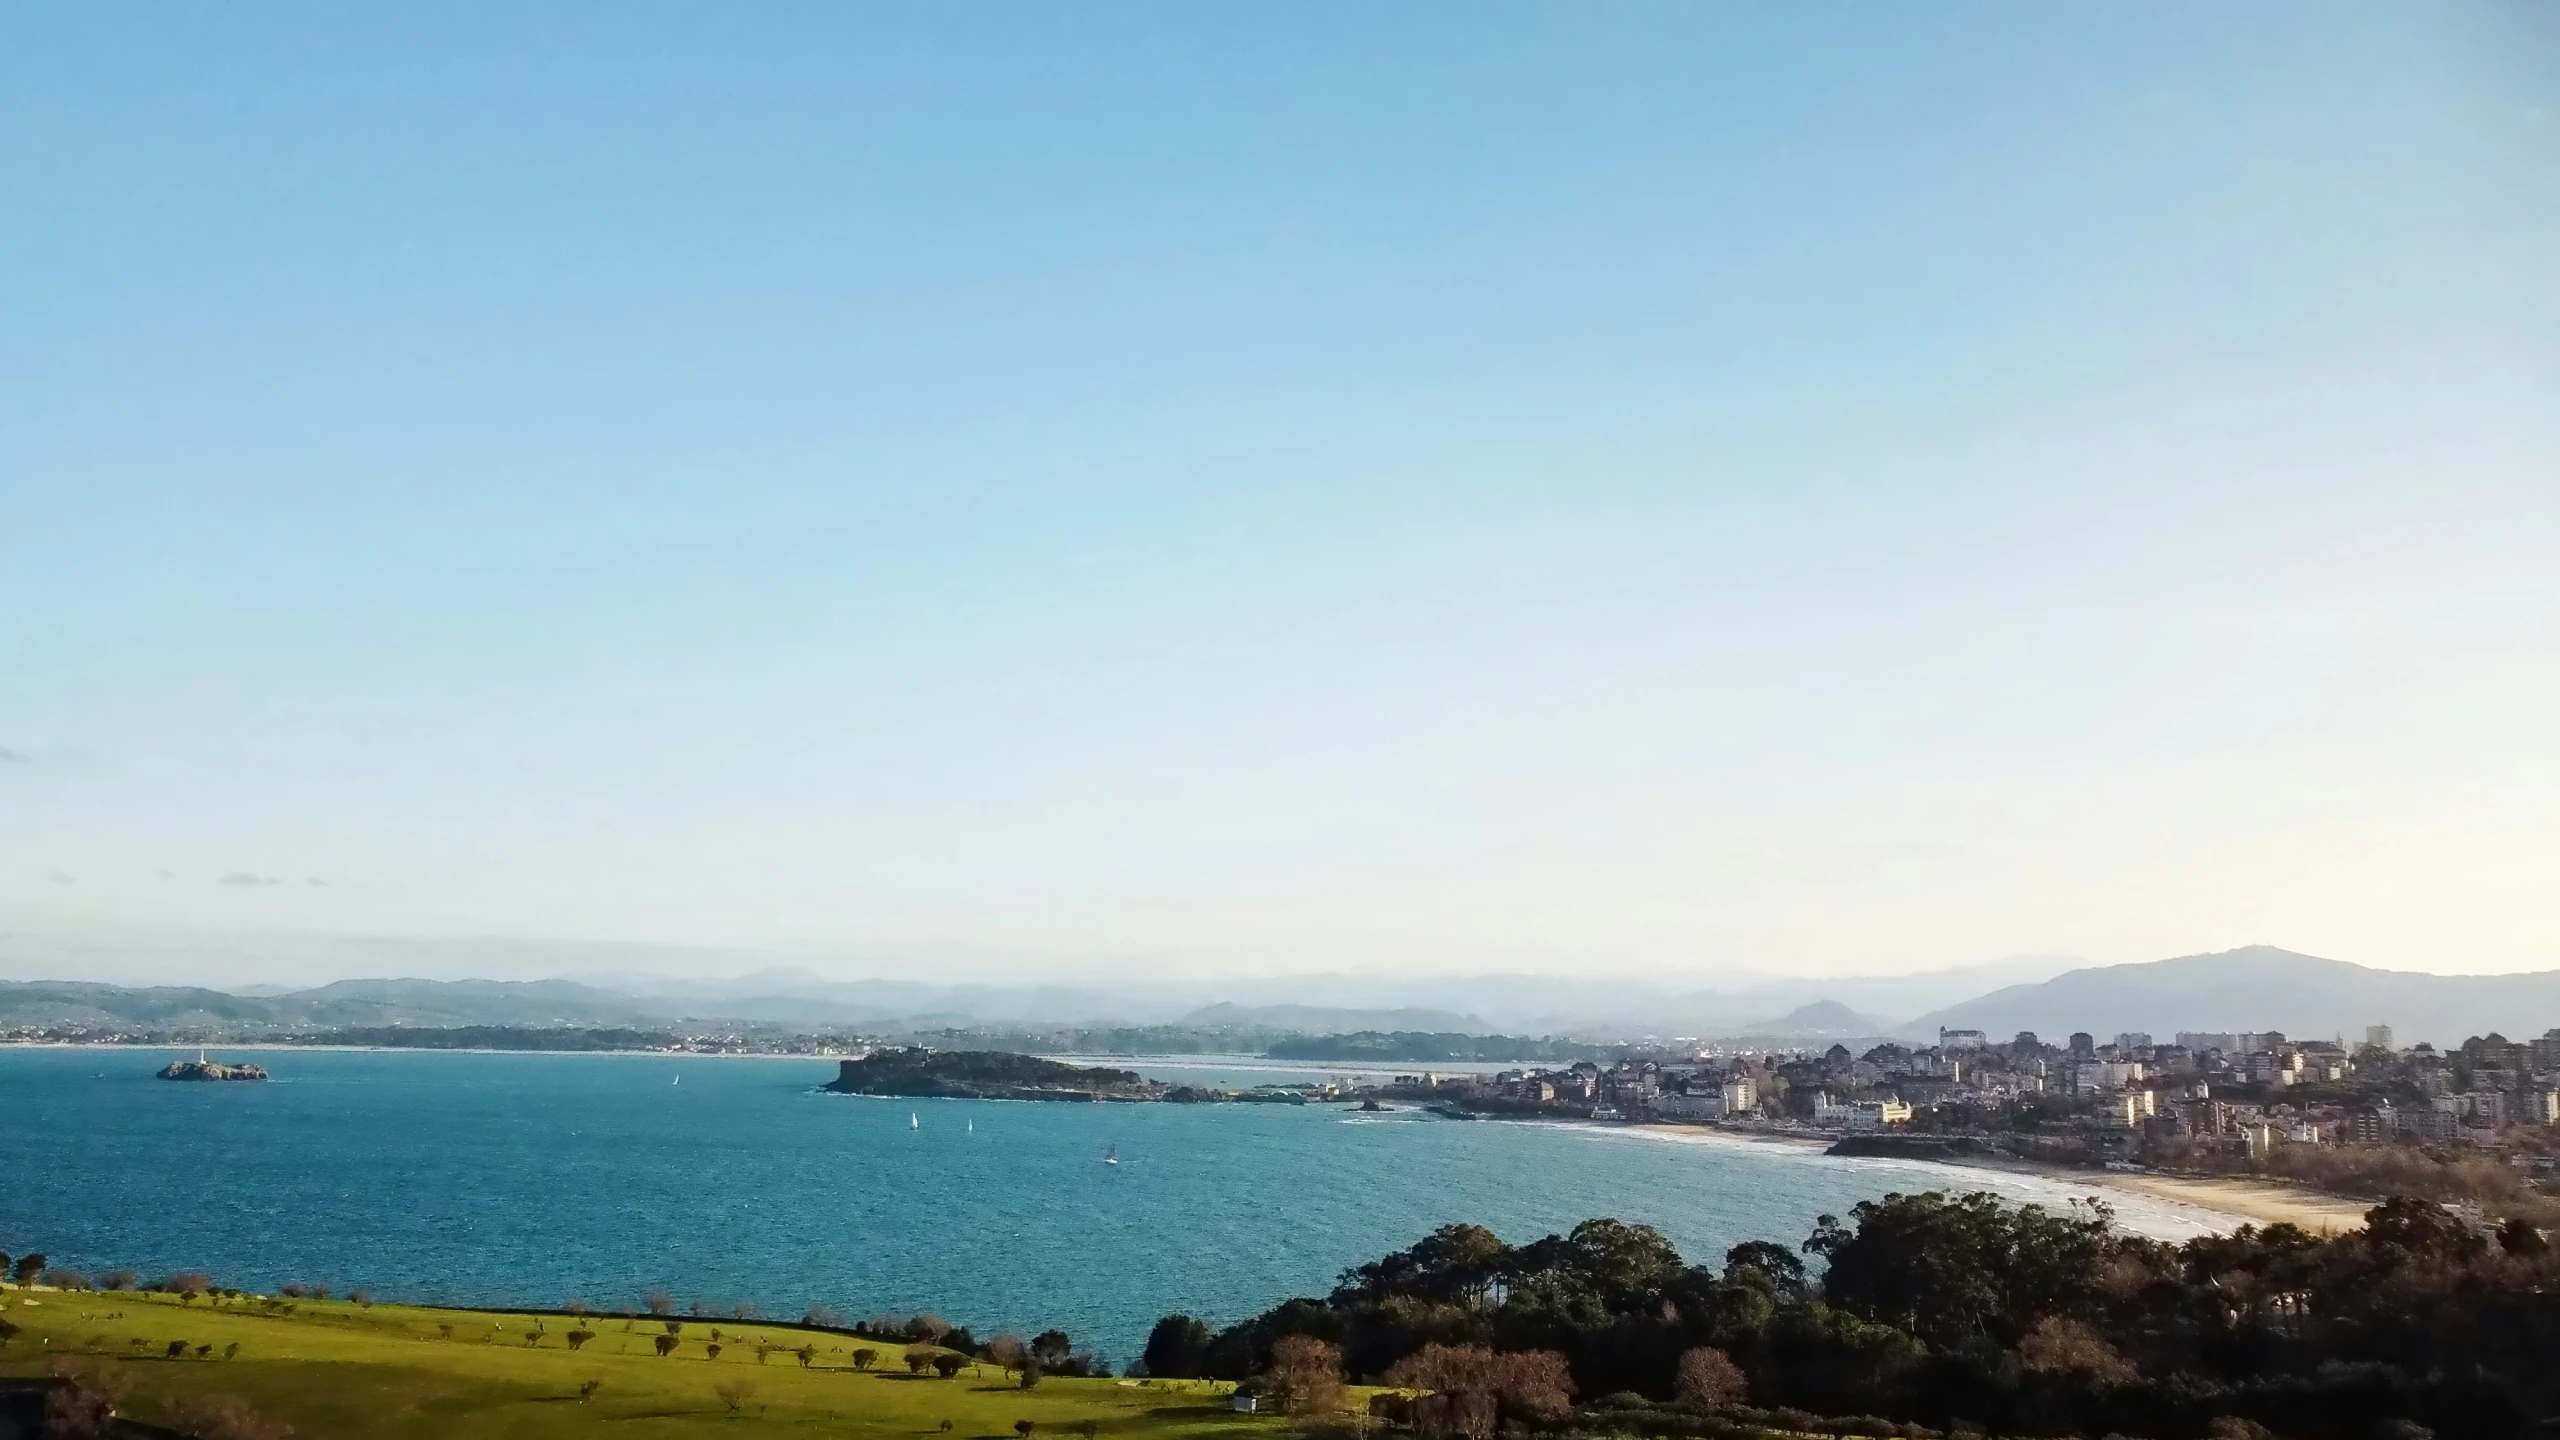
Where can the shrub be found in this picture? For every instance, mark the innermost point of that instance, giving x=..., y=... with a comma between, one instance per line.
x=666, y=1344
x=578, y=1338
x=863, y=1359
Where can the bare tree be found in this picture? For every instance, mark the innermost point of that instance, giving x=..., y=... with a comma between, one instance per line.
x=735, y=1393
x=587, y=1390
x=661, y=1303
x=1307, y=1373
x=1008, y=1351
x=1708, y=1376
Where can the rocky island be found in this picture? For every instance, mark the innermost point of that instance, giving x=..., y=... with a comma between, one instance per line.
x=202, y=1069
x=986, y=1075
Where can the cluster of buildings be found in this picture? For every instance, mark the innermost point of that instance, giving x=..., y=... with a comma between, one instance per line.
x=2245, y=1092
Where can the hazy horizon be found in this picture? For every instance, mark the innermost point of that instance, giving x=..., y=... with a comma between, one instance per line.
x=1127, y=490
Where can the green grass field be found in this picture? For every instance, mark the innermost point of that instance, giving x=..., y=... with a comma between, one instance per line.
x=333, y=1368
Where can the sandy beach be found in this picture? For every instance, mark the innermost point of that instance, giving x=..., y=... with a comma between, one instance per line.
x=2264, y=1202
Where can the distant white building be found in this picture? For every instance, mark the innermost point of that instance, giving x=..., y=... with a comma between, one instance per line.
x=1739, y=1096
x=2107, y=1075
x=1961, y=1039
x=1877, y=1114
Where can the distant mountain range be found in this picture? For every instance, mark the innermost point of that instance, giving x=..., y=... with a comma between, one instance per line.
x=2260, y=987
x=2254, y=988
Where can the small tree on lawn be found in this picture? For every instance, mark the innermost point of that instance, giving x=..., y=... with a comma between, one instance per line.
x=808, y=1355
x=1023, y=1428
x=579, y=1337
x=948, y=1363
x=666, y=1344
x=29, y=1267
x=1008, y=1351
x=735, y=1393
x=864, y=1358
x=1307, y=1373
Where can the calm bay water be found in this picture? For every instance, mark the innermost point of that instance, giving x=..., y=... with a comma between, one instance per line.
x=532, y=1179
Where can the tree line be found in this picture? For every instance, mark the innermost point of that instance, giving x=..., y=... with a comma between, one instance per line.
x=1958, y=1313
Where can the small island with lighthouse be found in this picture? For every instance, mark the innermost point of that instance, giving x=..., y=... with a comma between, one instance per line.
x=201, y=1068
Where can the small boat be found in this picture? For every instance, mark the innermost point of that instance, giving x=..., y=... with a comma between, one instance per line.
x=973, y=1127
x=1110, y=1154
x=911, y=1121
x=679, y=1080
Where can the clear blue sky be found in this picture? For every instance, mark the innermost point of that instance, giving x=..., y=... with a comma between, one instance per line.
x=1231, y=488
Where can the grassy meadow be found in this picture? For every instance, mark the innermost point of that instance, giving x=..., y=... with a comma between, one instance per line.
x=331, y=1368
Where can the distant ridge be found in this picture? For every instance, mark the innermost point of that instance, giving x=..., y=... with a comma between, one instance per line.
x=2260, y=987
x=1821, y=1020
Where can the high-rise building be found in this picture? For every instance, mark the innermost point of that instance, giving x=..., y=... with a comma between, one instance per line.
x=2378, y=1036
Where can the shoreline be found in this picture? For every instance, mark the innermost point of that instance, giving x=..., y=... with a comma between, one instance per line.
x=2234, y=1198
x=2231, y=1200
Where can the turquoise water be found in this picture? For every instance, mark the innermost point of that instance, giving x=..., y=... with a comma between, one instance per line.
x=533, y=1179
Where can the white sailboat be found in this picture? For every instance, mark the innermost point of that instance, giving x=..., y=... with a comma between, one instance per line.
x=1110, y=1154
x=911, y=1121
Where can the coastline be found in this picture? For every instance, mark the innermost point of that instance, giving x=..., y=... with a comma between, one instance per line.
x=2211, y=1202
x=2230, y=1199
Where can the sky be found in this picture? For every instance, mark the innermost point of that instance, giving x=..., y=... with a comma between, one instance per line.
x=1154, y=489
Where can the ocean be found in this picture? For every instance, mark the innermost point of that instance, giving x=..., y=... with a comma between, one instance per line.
x=472, y=1178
